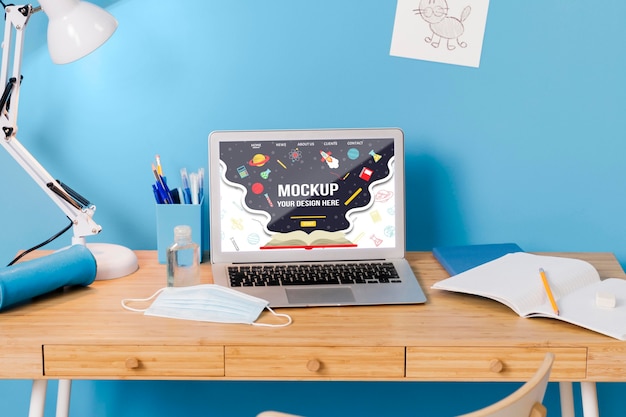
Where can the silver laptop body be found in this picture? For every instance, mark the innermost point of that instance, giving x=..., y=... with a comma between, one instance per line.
x=280, y=198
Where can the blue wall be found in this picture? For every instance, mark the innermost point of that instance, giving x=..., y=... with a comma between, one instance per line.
x=526, y=148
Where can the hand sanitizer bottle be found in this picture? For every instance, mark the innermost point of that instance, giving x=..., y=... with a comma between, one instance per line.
x=183, y=259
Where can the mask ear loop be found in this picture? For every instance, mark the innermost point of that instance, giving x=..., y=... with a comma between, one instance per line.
x=287, y=316
x=140, y=300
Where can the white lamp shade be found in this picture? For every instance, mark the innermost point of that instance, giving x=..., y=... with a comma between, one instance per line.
x=76, y=28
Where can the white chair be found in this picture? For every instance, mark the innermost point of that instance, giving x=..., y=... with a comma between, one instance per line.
x=525, y=402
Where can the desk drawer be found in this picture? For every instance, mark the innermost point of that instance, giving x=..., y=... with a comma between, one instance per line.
x=133, y=361
x=607, y=363
x=314, y=362
x=492, y=364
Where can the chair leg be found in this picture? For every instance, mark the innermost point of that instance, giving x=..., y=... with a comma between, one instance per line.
x=538, y=410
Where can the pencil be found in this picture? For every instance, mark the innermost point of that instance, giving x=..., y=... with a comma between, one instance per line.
x=159, y=167
x=548, y=291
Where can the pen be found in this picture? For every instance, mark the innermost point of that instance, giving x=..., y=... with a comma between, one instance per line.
x=163, y=196
x=548, y=291
x=193, y=180
x=186, y=190
x=175, y=196
x=157, y=195
x=161, y=186
x=200, y=184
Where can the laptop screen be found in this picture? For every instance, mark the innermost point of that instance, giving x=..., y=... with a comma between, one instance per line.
x=297, y=195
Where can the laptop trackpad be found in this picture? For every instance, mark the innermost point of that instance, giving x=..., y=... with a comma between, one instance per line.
x=339, y=295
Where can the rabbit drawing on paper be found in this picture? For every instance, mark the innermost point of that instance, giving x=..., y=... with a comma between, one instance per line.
x=442, y=26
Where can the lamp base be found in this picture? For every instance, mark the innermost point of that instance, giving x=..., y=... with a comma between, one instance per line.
x=113, y=261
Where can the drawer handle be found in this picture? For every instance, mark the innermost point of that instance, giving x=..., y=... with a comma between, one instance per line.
x=132, y=363
x=313, y=365
x=496, y=366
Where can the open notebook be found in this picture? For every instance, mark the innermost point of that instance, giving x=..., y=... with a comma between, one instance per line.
x=282, y=198
x=515, y=281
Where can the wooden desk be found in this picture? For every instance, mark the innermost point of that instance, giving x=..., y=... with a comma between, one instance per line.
x=84, y=333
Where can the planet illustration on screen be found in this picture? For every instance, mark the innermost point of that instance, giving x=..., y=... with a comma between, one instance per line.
x=257, y=188
x=353, y=153
x=258, y=160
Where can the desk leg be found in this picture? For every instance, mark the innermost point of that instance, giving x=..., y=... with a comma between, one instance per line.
x=567, y=399
x=590, y=399
x=38, y=398
x=63, y=397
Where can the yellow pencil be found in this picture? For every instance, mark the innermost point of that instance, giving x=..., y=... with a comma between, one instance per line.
x=548, y=291
x=159, y=167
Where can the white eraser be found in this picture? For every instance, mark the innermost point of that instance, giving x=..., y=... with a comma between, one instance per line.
x=605, y=299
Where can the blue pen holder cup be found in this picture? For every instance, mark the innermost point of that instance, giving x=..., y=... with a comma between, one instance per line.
x=169, y=216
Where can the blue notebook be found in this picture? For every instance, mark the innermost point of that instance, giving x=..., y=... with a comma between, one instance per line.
x=457, y=259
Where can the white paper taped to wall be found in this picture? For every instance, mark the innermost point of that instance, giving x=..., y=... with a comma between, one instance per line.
x=447, y=31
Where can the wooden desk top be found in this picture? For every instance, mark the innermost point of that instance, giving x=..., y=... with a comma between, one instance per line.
x=78, y=327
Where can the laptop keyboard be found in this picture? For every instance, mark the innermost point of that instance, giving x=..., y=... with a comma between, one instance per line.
x=313, y=274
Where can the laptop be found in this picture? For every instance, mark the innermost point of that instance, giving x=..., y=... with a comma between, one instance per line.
x=310, y=217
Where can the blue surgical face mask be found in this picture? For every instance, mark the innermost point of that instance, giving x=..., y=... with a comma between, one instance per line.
x=207, y=302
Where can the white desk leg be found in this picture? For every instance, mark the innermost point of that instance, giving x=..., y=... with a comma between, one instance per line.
x=589, y=396
x=63, y=397
x=38, y=398
x=567, y=399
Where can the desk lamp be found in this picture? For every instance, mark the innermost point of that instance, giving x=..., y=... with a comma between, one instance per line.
x=75, y=29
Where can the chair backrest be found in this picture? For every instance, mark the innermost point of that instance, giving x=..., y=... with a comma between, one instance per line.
x=526, y=401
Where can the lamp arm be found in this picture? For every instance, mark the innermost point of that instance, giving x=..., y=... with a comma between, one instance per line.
x=80, y=214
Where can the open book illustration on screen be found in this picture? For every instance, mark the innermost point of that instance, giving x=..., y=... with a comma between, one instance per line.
x=515, y=281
